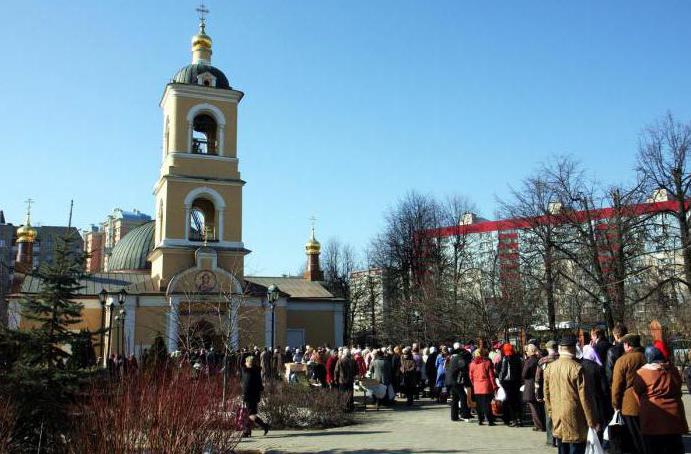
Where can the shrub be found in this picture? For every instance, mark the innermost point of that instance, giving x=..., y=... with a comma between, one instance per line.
x=293, y=405
x=8, y=421
x=162, y=412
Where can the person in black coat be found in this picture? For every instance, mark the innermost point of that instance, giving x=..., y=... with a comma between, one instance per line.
x=595, y=376
x=431, y=371
x=510, y=369
x=455, y=379
x=537, y=410
x=252, y=388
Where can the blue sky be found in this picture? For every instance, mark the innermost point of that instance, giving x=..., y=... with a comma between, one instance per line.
x=348, y=104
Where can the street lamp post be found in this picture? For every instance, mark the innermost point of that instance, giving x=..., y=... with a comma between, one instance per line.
x=272, y=294
x=102, y=296
x=122, y=296
x=117, y=337
x=122, y=330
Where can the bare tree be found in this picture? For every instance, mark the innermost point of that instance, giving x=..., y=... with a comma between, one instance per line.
x=663, y=164
x=533, y=208
x=338, y=265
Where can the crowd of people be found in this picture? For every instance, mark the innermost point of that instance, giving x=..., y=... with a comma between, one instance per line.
x=629, y=396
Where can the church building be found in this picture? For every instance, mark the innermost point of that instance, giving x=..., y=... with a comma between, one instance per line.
x=181, y=275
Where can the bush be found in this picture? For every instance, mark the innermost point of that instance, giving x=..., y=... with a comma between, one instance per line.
x=293, y=405
x=163, y=412
x=8, y=421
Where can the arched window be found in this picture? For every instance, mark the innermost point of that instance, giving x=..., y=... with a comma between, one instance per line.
x=204, y=135
x=202, y=221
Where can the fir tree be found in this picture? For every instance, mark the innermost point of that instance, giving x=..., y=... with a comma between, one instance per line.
x=41, y=384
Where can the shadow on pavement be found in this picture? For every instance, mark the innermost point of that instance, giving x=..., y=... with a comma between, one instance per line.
x=327, y=433
x=374, y=451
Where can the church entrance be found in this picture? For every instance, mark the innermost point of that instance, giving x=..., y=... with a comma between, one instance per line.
x=203, y=334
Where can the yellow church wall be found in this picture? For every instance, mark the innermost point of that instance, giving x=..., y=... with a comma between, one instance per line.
x=318, y=325
x=233, y=262
x=251, y=324
x=177, y=107
x=150, y=322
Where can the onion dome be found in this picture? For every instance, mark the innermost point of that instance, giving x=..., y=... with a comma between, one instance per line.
x=131, y=252
x=312, y=246
x=189, y=75
x=26, y=233
x=201, y=63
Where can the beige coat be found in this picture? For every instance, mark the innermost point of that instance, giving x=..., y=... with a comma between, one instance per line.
x=567, y=400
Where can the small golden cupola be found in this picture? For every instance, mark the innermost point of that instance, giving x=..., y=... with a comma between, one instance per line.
x=313, y=250
x=26, y=236
x=312, y=246
x=201, y=42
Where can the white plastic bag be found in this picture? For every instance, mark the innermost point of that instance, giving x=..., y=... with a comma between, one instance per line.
x=592, y=444
x=617, y=420
x=500, y=395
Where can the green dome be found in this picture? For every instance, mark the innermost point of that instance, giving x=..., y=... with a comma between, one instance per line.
x=188, y=75
x=131, y=251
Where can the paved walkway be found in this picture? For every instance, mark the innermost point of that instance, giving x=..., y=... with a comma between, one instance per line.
x=425, y=428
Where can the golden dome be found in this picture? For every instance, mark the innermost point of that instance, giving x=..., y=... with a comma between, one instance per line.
x=26, y=233
x=312, y=246
x=201, y=39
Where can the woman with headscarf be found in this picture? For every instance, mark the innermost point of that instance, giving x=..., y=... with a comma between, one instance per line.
x=661, y=412
x=409, y=376
x=537, y=410
x=440, y=364
x=510, y=379
x=596, y=380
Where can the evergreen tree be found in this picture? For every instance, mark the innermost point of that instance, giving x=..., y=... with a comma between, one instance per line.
x=39, y=382
x=157, y=356
x=83, y=354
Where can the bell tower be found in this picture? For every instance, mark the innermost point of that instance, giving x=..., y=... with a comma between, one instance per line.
x=199, y=190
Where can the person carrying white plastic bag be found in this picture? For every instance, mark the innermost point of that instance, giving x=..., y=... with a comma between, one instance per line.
x=592, y=444
x=567, y=399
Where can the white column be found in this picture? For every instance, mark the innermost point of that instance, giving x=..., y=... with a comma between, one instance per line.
x=234, y=325
x=267, y=325
x=220, y=216
x=173, y=321
x=338, y=324
x=187, y=222
x=221, y=140
x=14, y=315
x=189, y=136
x=130, y=323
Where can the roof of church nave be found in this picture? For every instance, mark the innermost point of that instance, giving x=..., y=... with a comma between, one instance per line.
x=130, y=253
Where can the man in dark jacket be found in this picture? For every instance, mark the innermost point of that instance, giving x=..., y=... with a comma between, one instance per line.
x=615, y=351
x=456, y=378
